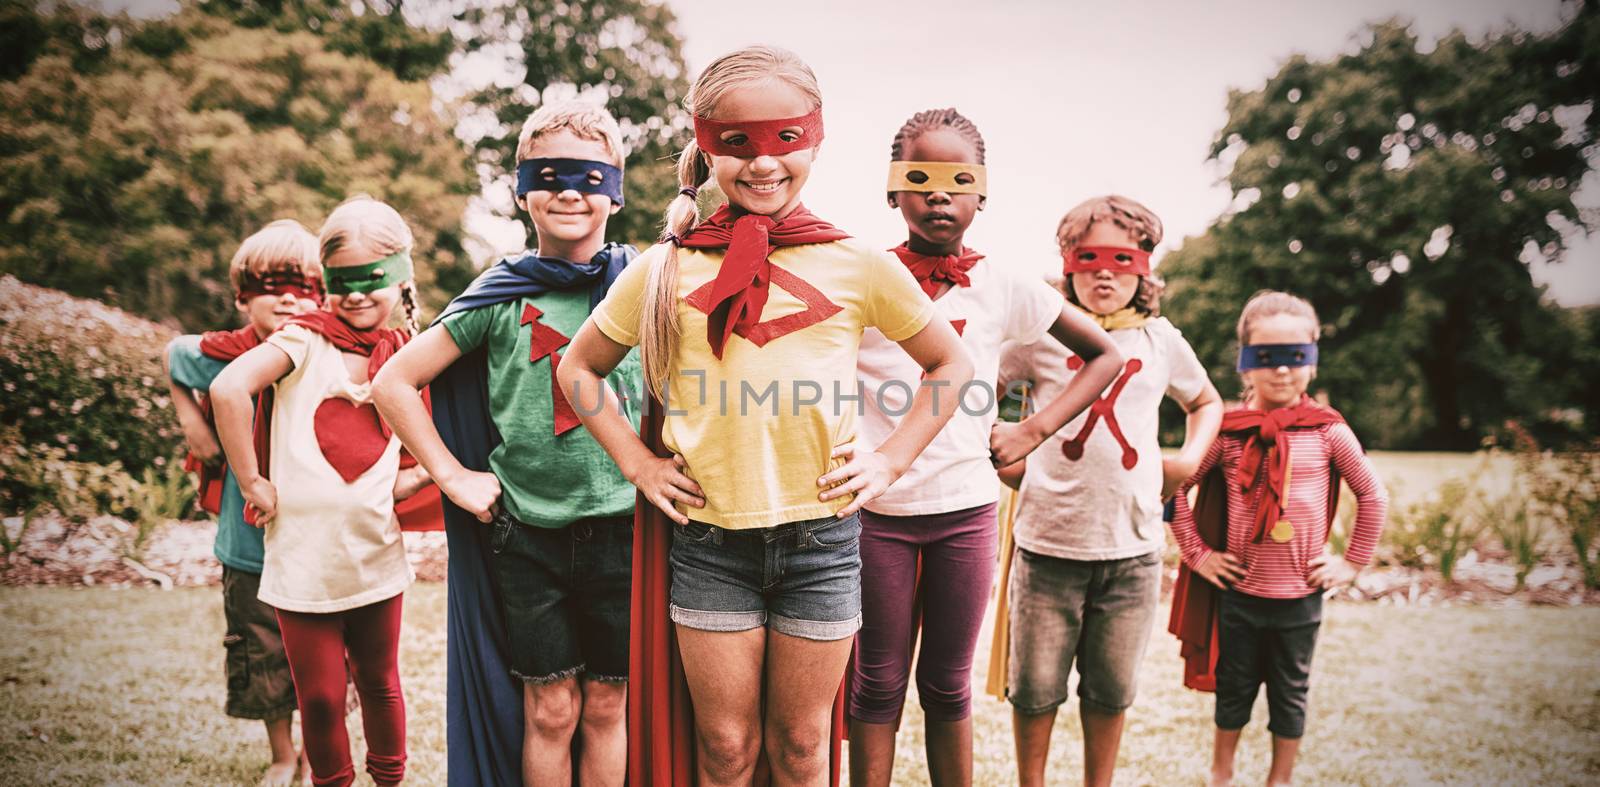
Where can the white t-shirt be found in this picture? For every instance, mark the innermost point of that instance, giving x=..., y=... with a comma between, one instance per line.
x=1095, y=506
x=334, y=545
x=954, y=472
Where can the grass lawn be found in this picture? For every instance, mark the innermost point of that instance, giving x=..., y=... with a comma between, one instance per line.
x=103, y=686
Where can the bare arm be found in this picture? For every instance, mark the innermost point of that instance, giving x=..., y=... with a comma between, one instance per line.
x=1011, y=442
x=231, y=392
x=937, y=349
x=197, y=431
x=396, y=393
x=1200, y=430
x=589, y=358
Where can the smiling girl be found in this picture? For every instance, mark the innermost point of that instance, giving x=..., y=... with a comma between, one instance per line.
x=749, y=322
x=335, y=566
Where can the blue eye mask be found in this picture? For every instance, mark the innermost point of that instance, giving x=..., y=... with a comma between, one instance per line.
x=1271, y=356
x=560, y=174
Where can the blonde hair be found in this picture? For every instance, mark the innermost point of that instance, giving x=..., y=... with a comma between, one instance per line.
x=1270, y=303
x=1130, y=215
x=584, y=119
x=659, y=321
x=283, y=246
x=378, y=228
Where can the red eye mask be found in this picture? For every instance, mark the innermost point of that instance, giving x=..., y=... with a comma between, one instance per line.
x=280, y=282
x=762, y=137
x=1117, y=259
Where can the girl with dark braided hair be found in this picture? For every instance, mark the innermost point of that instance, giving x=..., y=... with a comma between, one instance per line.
x=930, y=540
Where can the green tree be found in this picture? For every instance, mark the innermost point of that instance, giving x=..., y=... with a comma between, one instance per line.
x=625, y=52
x=136, y=154
x=1403, y=192
x=378, y=30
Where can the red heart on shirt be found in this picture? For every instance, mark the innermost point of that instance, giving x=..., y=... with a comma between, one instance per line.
x=350, y=436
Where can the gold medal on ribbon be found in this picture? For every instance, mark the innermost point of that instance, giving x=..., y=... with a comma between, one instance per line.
x=1282, y=532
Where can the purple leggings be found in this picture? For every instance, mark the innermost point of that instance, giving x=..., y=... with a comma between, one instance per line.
x=958, y=562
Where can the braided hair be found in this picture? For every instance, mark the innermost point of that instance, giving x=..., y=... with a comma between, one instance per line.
x=930, y=119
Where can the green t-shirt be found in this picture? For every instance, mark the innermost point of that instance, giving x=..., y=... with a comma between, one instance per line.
x=545, y=480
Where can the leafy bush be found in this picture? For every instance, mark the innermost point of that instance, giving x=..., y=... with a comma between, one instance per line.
x=1565, y=491
x=83, y=383
x=1435, y=532
x=1511, y=518
x=43, y=478
x=165, y=494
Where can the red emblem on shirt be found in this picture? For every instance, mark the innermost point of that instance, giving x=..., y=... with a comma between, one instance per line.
x=1104, y=407
x=818, y=308
x=545, y=341
x=350, y=436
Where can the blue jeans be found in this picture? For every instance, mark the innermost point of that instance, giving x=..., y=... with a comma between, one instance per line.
x=800, y=578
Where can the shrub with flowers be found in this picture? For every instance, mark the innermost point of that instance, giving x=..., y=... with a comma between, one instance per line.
x=81, y=385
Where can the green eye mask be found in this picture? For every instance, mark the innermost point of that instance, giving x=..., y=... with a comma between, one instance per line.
x=376, y=275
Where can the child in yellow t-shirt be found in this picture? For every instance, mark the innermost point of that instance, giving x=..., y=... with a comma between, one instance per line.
x=749, y=323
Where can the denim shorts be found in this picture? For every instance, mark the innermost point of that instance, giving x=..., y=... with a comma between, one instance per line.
x=1098, y=613
x=565, y=593
x=802, y=579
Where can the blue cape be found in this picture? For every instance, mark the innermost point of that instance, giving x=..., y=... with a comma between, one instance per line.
x=483, y=707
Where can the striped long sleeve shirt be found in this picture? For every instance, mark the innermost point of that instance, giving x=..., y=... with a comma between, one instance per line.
x=1278, y=570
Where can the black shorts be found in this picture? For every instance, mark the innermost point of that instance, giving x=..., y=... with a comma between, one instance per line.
x=564, y=593
x=1266, y=640
x=259, y=685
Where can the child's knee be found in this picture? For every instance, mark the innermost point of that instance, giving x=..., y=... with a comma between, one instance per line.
x=552, y=709
x=605, y=704
x=944, y=699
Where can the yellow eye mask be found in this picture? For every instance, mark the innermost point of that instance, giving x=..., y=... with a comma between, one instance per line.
x=945, y=176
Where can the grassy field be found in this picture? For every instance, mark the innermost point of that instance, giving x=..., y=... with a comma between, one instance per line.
x=102, y=686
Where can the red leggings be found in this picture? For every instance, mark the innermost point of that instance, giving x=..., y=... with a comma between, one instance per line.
x=317, y=646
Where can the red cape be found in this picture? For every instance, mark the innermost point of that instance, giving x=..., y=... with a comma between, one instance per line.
x=661, y=748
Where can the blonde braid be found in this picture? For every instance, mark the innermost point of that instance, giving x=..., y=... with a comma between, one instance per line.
x=659, y=321
x=408, y=299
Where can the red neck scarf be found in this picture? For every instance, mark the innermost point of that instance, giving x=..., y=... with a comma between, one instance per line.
x=1261, y=429
x=739, y=292
x=932, y=272
x=228, y=345
x=378, y=344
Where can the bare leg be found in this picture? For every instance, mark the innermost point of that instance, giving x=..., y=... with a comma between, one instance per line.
x=1032, y=733
x=550, y=713
x=603, y=761
x=1102, y=735
x=1284, y=751
x=285, y=760
x=949, y=745
x=1226, y=743
x=723, y=670
x=803, y=678
x=871, y=753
